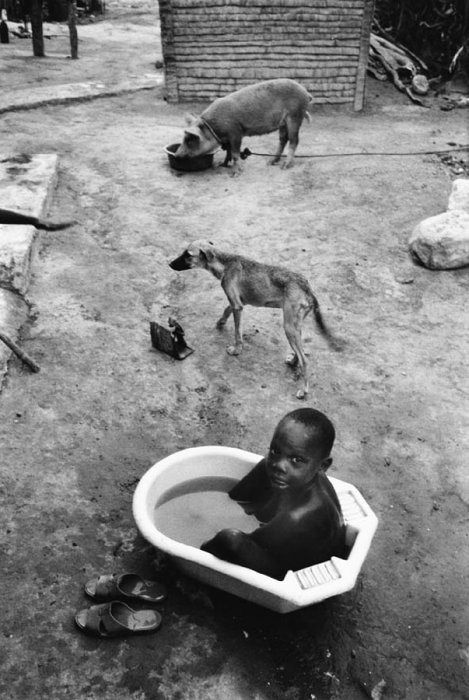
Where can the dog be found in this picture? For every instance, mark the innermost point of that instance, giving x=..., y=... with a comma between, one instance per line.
x=247, y=282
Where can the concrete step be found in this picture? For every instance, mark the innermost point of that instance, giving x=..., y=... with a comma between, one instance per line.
x=20, y=99
x=27, y=183
x=16, y=248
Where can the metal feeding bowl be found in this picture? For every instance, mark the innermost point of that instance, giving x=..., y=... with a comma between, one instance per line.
x=187, y=165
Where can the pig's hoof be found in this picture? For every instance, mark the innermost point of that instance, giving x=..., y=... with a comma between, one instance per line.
x=287, y=165
x=301, y=394
x=220, y=324
x=273, y=161
x=233, y=350
x=292, y=360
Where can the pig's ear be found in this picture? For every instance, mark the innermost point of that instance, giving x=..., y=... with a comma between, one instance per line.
x=191, y=118
x=192, y=133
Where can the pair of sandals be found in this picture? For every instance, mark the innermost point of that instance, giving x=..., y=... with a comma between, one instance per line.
x=114, y=617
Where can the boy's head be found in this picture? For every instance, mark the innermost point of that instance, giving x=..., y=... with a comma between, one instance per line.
x=300, y=448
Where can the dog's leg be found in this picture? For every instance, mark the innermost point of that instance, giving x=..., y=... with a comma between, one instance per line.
x=283, y=138
x=292, y=320
x=238, y=346
x=224, y=317
x=292, y=360
x=293, y=128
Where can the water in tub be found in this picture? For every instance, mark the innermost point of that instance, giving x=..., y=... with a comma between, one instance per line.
x=194, y=511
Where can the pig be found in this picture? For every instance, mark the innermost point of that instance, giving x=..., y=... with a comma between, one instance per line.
x=257, y=109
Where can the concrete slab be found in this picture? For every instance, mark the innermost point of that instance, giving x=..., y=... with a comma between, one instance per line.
x=16, y=246
x=19, y=99
x=27, y=182
x=13, y=314
x=26, y=186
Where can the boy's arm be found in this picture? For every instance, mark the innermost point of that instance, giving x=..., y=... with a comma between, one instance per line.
x=252, y=486
x=239, y=548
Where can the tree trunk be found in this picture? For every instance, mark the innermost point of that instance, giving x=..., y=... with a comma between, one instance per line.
x=72, y=28
x=36, y=28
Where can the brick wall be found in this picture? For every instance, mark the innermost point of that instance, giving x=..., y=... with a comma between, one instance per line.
x=212, y=47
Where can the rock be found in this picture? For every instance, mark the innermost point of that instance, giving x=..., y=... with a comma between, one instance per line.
x=442, y=242
x=459, y=197
x=420, y=84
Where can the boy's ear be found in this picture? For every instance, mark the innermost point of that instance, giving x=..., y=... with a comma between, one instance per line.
x=327, y=463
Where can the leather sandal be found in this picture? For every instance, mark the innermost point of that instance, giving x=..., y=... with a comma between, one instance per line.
x=129, y=587
x=117, y=619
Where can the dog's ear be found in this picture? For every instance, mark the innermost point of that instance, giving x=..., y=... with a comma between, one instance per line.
x=190, y=118
x=207, y=254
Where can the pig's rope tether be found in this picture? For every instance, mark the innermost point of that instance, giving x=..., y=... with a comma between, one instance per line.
x=212, y=131
x=246, y=153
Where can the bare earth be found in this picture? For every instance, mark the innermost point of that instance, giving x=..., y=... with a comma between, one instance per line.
x=77, y=436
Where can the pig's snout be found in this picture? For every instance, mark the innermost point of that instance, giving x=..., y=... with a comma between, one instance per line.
x=181, y=151
x=196, y=143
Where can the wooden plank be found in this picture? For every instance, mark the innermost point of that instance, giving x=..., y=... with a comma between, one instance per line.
x=222, y=5
x=260, y=50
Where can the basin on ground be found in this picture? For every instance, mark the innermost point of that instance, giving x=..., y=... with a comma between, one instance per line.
x=299, y=588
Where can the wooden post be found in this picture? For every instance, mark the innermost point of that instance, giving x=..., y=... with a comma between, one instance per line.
x=72, y=28
x=169, y=50
x=360, y=80
x=36, y=28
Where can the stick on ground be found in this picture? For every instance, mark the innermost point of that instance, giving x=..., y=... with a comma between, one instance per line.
x=19, y=353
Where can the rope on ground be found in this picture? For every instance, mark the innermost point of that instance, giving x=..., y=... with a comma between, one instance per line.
x=247, y=152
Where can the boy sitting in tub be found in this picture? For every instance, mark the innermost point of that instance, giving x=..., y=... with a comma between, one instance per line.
x=289, y=493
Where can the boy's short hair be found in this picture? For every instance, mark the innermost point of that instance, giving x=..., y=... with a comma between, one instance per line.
x=319, y=425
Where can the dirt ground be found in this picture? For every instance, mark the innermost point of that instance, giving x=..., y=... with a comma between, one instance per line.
x=77, y=436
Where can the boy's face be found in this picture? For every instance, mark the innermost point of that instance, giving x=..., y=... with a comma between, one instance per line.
x=294, y=457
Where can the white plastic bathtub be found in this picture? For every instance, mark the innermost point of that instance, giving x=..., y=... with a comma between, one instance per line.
x=299, y=588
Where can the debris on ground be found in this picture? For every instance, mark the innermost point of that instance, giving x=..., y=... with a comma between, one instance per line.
x=378, y=690
x=452, y=101
x=172, y=342
x=388, y=59
x=19, y=353
x=458, y=164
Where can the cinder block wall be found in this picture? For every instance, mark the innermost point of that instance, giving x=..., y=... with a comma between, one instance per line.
x=212, y=47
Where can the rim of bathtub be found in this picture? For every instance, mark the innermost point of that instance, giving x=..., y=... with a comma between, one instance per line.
x=299, y=588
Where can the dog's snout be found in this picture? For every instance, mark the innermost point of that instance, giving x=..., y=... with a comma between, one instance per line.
x=179, y=263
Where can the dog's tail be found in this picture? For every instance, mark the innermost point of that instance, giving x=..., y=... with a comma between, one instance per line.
x=336, y=343
x=53, y=226
x=13, y=217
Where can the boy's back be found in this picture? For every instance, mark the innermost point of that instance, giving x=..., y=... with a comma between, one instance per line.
x=299, y=532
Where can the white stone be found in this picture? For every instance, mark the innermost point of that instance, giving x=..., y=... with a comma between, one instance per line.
x=459, y=197
x=442, y=242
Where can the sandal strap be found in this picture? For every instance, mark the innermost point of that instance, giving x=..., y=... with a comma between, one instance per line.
x=106, y=586
x=107, y=622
